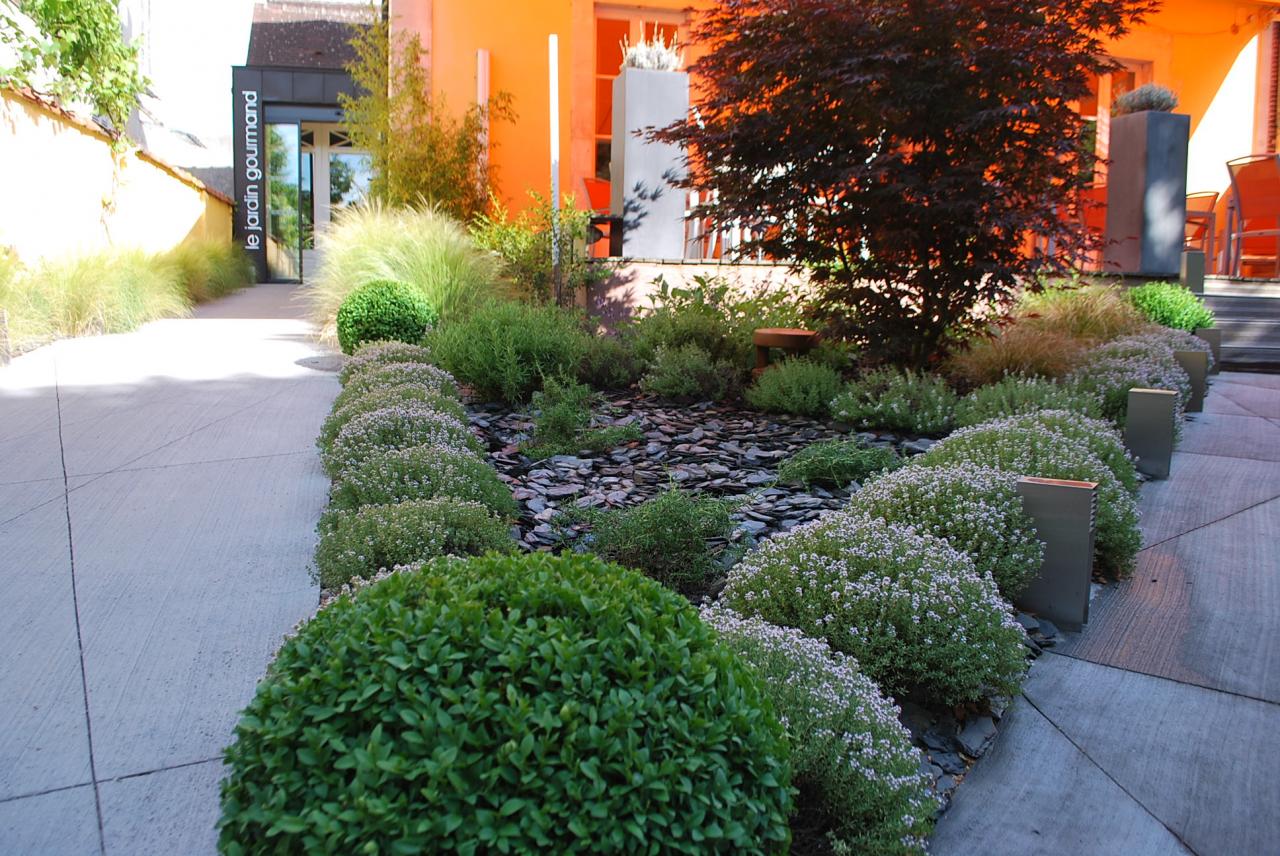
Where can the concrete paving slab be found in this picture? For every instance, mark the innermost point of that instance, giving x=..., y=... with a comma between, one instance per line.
x=1256, y=398
x=1233, y=436
x=164, y=813
x=1034, y=792
x=44, y=740
x=1258, y=379
x=63, y=823
x=1202, y=489
x=1221, y=404
x=189, y=576
x=1202, y=608
x=1203, y=762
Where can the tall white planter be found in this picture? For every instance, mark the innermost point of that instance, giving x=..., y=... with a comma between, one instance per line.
x=1147, y=193
x=642, y=172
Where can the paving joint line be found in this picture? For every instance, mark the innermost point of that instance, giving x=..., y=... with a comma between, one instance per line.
x=128, y=469
x=75, y=605
x=44, y=793
x=1228, y=457
x=166, y=769
x=1164, y=541
x=1178, y=681
x=1110, y=777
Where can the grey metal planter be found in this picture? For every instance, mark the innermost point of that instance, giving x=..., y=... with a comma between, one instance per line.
x=1147, y=193
x=1196, y=365
x=1149, y=429
x=1213, y=336
x=642, y=172
x=1063, y=513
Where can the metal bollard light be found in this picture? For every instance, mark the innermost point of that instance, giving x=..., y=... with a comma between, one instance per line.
x=1063, y=513
x=1149, y=429
x=1196, y=365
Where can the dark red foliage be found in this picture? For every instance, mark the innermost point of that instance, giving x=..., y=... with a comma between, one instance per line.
x=904, y=150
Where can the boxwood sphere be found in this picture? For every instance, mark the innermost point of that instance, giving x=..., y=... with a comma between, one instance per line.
x=383, y=310
x=536, y=704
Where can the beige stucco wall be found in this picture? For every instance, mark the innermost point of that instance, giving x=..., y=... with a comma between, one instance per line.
x=62, y=194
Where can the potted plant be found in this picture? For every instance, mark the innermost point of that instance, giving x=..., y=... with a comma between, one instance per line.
x=650, y=91
x=1147, y=183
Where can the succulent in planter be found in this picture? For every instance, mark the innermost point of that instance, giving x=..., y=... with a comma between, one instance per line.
x=1149, y=96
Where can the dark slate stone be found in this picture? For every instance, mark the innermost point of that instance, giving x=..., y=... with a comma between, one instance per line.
x=977, y=736
x=950, y=762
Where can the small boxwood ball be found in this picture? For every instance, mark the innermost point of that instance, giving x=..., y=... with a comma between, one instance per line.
x=504, y=704
x=383, y=310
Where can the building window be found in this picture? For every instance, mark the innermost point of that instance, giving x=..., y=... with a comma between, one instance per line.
x=614, y=25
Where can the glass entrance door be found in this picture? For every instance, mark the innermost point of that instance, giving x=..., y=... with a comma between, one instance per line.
x=284, y=202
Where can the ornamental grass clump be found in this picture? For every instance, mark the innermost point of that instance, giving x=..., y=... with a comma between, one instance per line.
x=1093, y=313
x=798, y=386
x=377, y=378
x=1039, y=451
x=897, y=401
x=976, y=509
x=856, y=771
x=1098, y=436
x=1017, y=349
x=379, y=399
x=360, y=543
x=399, y=426
x=1013, y=395
x=909, y=607
x=667, y=537
x=422, y=472
x=837, y=463
x=1171, y=305
x=508, y=704
x=376, y=355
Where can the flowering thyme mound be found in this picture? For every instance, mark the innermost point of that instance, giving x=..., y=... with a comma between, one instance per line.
x=422, y=472
x=355, y=544
x=376, y=355
x=503, y=704
x=976, y=509
x=1014, y=395
x=1098, y=436
x=390, y=397
x=395, y=427
x=1178, y=340
x=1142, y=362
x=1039, y=451
x=897, y=401
x=422, y=375
x=911, y=608
x=856, y=770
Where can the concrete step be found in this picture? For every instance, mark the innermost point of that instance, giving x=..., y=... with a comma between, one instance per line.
x=1249, y=333
x=1254, y=359
x=1244, y=287
x=1244, y=307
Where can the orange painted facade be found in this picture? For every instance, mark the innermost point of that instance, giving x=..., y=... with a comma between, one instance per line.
x=1216, y=54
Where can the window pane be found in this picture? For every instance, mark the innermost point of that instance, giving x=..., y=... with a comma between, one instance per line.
x=609, y=36
x=603, y=151
x=604, y=107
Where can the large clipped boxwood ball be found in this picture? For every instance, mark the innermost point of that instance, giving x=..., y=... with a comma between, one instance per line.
x=383, y=310
x=508, y=704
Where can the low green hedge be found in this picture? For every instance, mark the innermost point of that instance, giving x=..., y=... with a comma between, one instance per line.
x=897, y=401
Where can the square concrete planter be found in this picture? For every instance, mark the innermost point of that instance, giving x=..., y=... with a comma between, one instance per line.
x=1213, y=336
x=1063, y=513
x=642, y=172
x=1147, y=193
x=1196, y=365
x=1149, y=429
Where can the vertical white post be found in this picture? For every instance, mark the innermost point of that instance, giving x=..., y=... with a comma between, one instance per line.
x=482, y=101
x=553, y=51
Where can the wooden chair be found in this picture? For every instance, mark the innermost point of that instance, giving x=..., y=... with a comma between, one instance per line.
x=1201, y=224
x=1253, y=222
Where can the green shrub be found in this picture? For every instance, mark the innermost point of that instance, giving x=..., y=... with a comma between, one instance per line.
x=382, y=311
x=563, y=422
x=689, y=373
x=376, y=355
x=1171, y=305
x=1041, y=452
x=977, y=510
x=665, y=537
x=897, y=401
x=380, y=399
x=504, y=349
x=424, y=249
x=1093, y=313
x=837, y=463
x=209, y=269
x=428, y=378
x=668, y=328
x=797, y=386
x=359, y=544
x=1017, y=349
x=909, y=607
x=608, y=363
x=852, y=761
x=1098, y=436
x=422, y=472
x=1014, y=395
x=399, y=426
x=534, y=704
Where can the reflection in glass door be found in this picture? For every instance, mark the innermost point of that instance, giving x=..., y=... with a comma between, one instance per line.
x=284, y=203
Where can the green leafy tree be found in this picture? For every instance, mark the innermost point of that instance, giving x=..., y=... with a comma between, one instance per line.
x=420, y=151
x=79, y=44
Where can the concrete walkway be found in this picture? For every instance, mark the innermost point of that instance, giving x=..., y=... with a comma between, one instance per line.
x=1157, y=730
x=158, y=496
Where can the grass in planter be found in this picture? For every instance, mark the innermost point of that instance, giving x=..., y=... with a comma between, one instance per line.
x=798, y=386
x=209, y=269
x=563, y=423
x=665, y=537
x=837, y=463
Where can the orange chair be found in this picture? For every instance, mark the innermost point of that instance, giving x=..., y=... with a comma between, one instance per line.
x=598, y=193
x=1201, y=224
x=1253, y=222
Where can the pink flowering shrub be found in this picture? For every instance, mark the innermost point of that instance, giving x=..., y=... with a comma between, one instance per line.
x=976, y=509
x=399, y=426
x=912, y=609
x=376, y=355
x=1036, y=450
x=852, y=761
